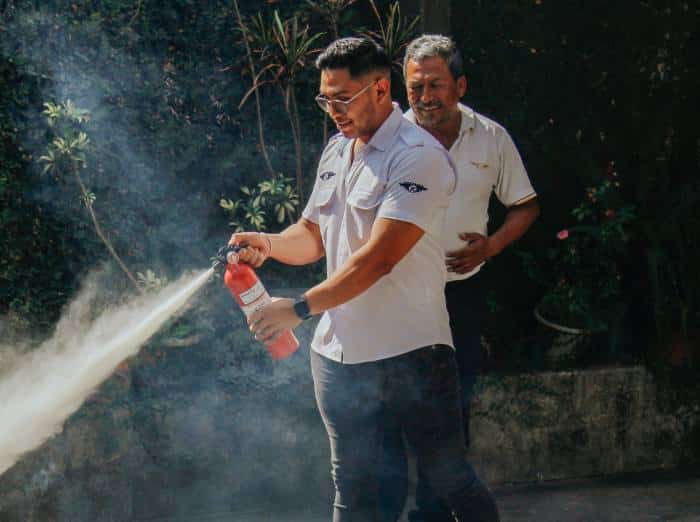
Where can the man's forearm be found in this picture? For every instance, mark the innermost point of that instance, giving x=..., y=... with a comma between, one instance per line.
x=391, y=240
x=517, y=221
x=358, y=274
x=298, y=244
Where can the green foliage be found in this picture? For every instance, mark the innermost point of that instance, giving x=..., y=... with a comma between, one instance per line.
x=271, y=205
x=583, y=273
x=167, y=138
x=42, y=248
x=66, y=156
x=575, y=91
x=69, y=145
x=149, y=281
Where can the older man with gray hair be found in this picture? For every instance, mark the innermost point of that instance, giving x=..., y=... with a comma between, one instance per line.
x=487, y=163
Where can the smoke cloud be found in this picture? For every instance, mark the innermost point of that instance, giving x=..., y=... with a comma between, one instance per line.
x=44, y=387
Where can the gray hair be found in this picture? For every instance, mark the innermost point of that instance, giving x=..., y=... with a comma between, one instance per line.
x=431, y=45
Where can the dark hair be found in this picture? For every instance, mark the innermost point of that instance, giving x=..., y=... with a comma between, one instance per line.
x=358, y=55
x=431, y=45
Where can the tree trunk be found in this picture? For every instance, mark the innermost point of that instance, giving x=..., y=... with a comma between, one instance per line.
x=434, y=14
x=290, y=107
x=261, y=134
x=98, y=229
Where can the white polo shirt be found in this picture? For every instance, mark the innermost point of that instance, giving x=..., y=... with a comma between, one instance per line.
x=402, y=173
x=487, y=161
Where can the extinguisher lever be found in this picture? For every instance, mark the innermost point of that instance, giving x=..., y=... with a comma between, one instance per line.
x=222, y=256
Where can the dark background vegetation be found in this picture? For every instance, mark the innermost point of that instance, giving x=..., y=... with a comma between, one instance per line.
x=580, y=86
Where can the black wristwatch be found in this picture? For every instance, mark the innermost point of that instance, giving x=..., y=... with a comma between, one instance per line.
x=301, y=308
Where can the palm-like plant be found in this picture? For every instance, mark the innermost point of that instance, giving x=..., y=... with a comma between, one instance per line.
x=251, y=63
x=332, y=11
x=283, y=48
x=394, y=33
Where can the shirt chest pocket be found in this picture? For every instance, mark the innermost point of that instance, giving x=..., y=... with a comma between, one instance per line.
x=476, y=177
x=325, y=204
x=363, y=203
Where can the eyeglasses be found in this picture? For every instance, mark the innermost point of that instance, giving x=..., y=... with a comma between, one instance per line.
x=339, y=106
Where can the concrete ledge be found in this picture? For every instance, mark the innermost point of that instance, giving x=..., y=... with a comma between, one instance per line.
x=572, y=424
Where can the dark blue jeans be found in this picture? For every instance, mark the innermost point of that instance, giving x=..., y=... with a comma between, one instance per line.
x=418, y=391
x=466, y=304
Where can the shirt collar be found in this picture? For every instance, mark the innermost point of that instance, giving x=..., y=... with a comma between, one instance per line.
x=384, y=135
x=468, y=118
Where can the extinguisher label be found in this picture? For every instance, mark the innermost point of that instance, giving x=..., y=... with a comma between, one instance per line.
x=257, y=305
x=252, y=294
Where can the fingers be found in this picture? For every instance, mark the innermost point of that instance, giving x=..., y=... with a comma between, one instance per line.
x=454, y=253
x=462, y=252
x=258, y=240
x=474, y=243
x=244, y=238
x=271, y=321
x=267, y=335
x=251, y=256
x=462, y=261
x=263, y=330
x=255, y=247
x=471, y=236
x=255, y=317
x=461, y=266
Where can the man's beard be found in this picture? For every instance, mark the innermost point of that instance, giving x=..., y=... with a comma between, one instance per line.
x=430, y=119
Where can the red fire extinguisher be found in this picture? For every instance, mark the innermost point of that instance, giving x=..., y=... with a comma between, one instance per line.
x=250, y=294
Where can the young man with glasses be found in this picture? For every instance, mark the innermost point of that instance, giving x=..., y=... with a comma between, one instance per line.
x=382, y=351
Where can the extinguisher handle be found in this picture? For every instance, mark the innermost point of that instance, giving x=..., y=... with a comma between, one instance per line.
x=221, y=259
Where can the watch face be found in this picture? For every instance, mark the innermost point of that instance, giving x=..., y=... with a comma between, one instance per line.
x=301, y=307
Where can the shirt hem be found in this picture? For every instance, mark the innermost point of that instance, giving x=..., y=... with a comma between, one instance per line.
x=343, y=359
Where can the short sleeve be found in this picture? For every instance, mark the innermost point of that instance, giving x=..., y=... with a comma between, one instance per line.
x=513, y=185
x=419, y=186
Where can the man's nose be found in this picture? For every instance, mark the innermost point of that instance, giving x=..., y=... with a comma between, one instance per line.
x=333, y=111
x=427, y=95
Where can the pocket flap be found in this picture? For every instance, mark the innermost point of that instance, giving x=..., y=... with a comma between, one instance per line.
x=367, y=192
x=325, y=190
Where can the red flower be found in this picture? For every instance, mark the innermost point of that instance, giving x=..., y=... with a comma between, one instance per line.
x=562, y=234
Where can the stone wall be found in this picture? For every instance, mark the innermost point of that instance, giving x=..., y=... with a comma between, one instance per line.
x=581, y=423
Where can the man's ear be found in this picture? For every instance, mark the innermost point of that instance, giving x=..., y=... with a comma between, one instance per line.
x=462, y=85
x=383, y=88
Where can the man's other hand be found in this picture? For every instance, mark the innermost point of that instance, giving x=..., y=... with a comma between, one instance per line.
x=476, y=251
x=269, y=322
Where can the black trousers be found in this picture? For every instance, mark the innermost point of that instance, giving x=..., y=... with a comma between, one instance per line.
x=418, y=391
x=466, y=304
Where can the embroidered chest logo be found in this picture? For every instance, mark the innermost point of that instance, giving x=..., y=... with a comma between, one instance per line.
x=413, y=187
x=325, y=176
x=479, y=165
